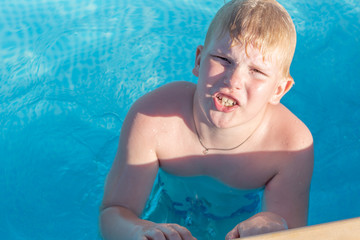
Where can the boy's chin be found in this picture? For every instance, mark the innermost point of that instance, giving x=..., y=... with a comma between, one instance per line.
x=222, y=120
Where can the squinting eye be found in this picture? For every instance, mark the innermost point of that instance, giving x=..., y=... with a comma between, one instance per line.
x=222, y=59
x=225, y=59
x=254, y=70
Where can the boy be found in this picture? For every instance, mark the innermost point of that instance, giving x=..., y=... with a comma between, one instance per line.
x=230, y=127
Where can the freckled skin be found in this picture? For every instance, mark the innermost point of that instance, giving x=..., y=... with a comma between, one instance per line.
x=159, y=131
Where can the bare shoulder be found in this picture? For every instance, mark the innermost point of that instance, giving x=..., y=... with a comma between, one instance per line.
x=289, y=129
x=158, y=108
x=163, y=100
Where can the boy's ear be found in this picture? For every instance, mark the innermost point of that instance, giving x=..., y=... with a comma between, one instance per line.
x=197, y=60
x=282, y=88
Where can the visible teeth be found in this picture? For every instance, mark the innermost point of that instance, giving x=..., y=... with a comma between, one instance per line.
x=227, y=102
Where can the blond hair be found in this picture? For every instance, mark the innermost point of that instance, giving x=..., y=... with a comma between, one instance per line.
x=264, y=24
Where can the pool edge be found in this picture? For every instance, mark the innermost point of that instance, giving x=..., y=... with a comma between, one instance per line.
x=348, y=229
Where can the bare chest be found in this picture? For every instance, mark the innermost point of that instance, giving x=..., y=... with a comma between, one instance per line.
x=242, y=170
x=180, y=153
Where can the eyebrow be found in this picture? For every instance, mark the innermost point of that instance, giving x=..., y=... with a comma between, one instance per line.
x=258, y=64
x=217, y=51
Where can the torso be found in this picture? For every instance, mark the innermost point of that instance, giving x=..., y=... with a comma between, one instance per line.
x=166, y=121
x=180, y=153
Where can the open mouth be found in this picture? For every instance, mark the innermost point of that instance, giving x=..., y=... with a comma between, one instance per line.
x=226, y=101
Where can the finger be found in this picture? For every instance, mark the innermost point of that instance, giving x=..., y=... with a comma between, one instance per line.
x=184, y=232
x=234, y=233
x=170, y=232
x=154, y=234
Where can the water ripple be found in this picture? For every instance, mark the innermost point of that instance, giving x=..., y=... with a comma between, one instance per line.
x=70, y=70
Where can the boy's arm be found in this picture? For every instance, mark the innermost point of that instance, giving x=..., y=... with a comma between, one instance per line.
x=287, y=194
x=286, y=197
x=130, y=181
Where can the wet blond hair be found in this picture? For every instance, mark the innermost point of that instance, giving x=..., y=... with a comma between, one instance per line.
x=264, y=24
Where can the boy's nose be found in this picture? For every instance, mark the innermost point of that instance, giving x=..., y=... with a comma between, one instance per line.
x=235, y=79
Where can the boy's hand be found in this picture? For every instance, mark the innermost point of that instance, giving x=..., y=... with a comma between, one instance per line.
x=264, y=222
x=164, y=232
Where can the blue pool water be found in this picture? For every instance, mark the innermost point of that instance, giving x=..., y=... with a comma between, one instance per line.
x=69, y=71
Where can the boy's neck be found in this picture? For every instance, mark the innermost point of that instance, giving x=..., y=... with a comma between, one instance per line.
x=211, y=136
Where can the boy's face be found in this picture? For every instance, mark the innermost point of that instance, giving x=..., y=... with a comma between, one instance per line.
x=235, y=86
